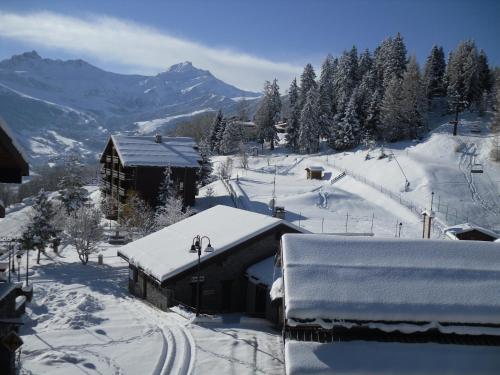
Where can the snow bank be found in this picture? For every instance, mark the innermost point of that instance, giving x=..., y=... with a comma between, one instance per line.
x=340, y=278
x=372, y=358
x=166, y=253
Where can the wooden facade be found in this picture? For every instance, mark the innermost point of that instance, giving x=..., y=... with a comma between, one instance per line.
x=120, y=180
x=314, y=173
x=13, y=165
x=224, y=288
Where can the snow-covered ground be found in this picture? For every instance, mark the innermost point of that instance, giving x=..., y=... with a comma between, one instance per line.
x=374, y=188
x=83, y=320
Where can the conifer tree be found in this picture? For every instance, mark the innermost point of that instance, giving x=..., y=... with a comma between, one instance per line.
x=390, y=116
x=232, y=137
x=292, y=129
x=205, y=171
x=462, y=75
x=349, y=128
x=40, y=230
x=495, y=125
x=412, y=100
x=214, y=131
x=434, y=71
x=326, y=97
x=307, y=81
x=484, y=73
x=166, y=188
x=268, y=114
x=309, y=118
x=71, y=191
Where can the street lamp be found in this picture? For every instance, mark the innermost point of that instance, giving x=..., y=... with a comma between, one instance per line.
x=18, y=257
x=196, y=246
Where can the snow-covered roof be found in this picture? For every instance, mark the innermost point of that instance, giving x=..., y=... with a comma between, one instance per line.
x=264, y=272
x=165, y=253
x=452, y=231
x=390, y=280
x=145, y=151
x=382, y=358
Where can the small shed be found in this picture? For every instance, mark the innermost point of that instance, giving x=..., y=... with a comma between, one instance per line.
x=314, y=172
x=470, y=232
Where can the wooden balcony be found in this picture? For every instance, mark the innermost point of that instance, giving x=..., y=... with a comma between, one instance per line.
x=108, y=158
x=121, y=176
x=116, y=160
x=122, y=192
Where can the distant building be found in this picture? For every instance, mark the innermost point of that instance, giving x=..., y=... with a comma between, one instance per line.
x=389, y=306
x=281, y=126
x=470, y=232
x=136, y=164
x=165, y=272
x=314, y=172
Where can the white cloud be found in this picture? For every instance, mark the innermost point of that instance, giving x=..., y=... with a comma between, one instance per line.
x=122, y=42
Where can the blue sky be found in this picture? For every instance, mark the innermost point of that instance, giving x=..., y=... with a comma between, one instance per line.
x=242, y=42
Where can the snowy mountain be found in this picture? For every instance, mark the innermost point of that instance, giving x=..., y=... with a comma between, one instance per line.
x=55, y=105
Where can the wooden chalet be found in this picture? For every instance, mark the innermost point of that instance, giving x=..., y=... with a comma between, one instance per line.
x=13, y=163
x=389, y=306
x=165, y=272
x=136, y=164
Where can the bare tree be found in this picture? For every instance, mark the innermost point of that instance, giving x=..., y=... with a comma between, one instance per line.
x=85, y=231
x=243, y=156
x=225, y=168
x=137, y=216
x=171, y=212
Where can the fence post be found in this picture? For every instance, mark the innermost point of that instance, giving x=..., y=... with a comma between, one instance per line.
x=373, y=217
x=346, y=221
x=322, y=222
x=446, y=211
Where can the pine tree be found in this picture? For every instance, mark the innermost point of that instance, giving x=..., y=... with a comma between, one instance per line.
x=462, y=75
x=484, y=73
x=205, y=171
x=345, y=79
x=292, y=129
x=412, y=100
x=71, y=193
x=40, y=230
x=233, y=135
x=372, y=122
x=220, y=135
x=307, y=81
x=434, y=72
x=214, y=132
x=391, y=117
x=495, y=126
x=268, y=114
x=349, y=128
x=309, y=118
x=166, y=188
x=326, y=97
x=365, y=63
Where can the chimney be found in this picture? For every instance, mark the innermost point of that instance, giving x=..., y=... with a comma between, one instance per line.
x=158, y=138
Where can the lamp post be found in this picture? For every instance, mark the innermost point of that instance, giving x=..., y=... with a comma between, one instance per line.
x=196, y=247
x=18, y=257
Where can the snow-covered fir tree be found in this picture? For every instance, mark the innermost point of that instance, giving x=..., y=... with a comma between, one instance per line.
x=390, y=116
x=40, y=230
x=268, y=114
x=309, y=119
x=434, y=72
x=220, y=135
x=348, y=133
x=166, y=188
x=171, y=212
x=205, y=171
x=345, y=79
x=372, y=121
x=71, y=191
x=495, y=125
x=213, y=138
x=307, y=81
x=326, y=97
x=233, y=135
x=462, y=75
x=412, y=101
x=365, y=63
x=484, y=73
x=293, y=123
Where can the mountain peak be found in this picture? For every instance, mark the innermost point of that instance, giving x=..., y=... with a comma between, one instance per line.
x=182, y=67
x=33, y=55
